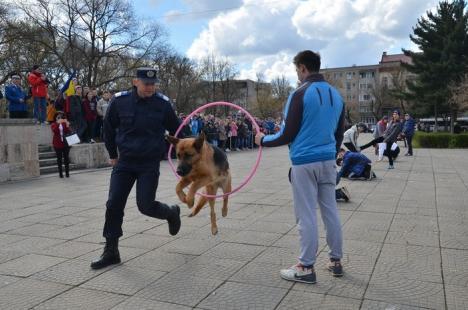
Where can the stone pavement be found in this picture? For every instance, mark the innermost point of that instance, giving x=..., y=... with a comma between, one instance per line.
x=406, y=243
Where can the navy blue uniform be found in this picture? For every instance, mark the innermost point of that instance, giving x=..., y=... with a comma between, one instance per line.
x=134, y=131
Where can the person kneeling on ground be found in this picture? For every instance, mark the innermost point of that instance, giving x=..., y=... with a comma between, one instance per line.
x=354, y=166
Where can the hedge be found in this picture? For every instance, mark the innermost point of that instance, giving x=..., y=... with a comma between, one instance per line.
x=441, y=140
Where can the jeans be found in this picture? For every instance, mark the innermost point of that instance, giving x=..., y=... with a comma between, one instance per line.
x=40, y=109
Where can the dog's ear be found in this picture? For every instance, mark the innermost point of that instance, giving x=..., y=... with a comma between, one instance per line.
x=172, y=140
x=199, y=141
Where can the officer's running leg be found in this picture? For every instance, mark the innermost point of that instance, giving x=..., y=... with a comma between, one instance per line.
x=121, y=184
x=147, y=184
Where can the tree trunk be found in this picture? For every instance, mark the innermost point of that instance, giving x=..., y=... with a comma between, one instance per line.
x=453, y=119
x=436, y=126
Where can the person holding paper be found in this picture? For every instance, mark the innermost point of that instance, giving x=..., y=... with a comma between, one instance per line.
x=60, y=128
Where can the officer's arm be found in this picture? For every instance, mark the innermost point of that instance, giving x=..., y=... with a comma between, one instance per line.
x=171, y=121
x=111, y=123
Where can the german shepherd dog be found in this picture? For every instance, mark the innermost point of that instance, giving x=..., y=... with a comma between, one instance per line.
x=201, y=165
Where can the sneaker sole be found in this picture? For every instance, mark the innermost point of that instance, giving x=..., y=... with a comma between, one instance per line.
x=298, y=280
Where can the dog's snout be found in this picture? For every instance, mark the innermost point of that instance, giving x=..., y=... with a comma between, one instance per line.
x=183, y=169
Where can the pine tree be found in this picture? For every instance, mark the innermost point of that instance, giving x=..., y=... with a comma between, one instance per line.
x=442, y=38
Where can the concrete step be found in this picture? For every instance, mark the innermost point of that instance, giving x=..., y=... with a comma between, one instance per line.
x=46, y=155
x=47, y=162
x=42, y=148
x=54, y=169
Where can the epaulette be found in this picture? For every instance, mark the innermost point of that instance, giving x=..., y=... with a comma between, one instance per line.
x=162, y=96
x=122, y=93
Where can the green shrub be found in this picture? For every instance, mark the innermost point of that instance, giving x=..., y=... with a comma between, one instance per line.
x=441, y=140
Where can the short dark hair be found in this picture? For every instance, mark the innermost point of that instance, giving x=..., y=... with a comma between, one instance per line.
x=35, y=67
x=309, y=59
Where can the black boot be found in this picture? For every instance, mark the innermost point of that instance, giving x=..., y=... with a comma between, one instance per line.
x=174, y=220
x=110, y=255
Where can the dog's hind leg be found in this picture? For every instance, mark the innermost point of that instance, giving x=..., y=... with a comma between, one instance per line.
x=227, y=188
x=212, y=191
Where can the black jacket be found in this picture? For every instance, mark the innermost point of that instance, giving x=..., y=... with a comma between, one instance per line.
x=136, y=127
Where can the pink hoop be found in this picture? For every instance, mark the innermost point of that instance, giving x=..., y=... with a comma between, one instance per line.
x=203, y=107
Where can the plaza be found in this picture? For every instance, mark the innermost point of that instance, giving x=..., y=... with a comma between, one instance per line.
x=405, y=243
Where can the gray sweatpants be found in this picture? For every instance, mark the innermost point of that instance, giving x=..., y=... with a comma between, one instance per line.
x=314, y=184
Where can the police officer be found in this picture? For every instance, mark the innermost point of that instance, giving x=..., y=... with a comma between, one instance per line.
x=135, y=125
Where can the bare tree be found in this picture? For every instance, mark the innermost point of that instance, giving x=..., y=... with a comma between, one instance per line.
x=281, y=88
x=103, y=38
x=218, y=80
x=267, y=104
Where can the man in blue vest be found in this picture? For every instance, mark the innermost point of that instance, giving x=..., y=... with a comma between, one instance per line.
x=313, y=126
x=16, y=98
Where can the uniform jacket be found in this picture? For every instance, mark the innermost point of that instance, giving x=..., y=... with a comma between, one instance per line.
x=353, y=162
x=408, y=128
x=392, y=132
x=134, y=127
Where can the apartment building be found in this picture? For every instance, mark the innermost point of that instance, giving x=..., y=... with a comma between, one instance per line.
x=360, y=85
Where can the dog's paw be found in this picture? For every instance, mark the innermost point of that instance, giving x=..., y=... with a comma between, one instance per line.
x=214, y=230
x=191, y=215
x=224, y=212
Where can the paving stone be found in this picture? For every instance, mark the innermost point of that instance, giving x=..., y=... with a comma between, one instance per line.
x=396, y=289
x=235, y=251
x=7, y=280
x=272, y=227
x=296, y=300
x=146, y=304
x=189, y=246
x=9, y=255
x=279, y=256
x=69, y=249
x=455, y=266
x=28, y=265
x=255, y=238
x=187, y=291
x=261, y=274
x=380, y=305
x=9, y=239
x=124, y=279
x=31, y=244
x=209, y=268
x=145, y=241
x=238, y=296
x=26, y=293
x=160, y=260
x=457, y=299
x=410, y=262
x=71, y=272
x=79, y=299
x=413, y=238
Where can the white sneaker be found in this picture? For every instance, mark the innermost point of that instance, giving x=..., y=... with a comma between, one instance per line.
x=299, y=273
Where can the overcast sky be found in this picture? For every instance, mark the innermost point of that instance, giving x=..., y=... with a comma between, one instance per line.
x=264, y=35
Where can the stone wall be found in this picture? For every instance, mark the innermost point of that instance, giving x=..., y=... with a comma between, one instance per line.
x=89, y=155
x=19, y=157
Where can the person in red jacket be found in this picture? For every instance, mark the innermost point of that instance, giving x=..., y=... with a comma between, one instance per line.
x=38, y=83
x=60, y=128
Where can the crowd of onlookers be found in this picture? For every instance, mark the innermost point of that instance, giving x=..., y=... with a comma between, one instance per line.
x=232, y=133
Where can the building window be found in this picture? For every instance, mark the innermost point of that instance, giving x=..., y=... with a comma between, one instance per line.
x=385, y=81
x=349, y=75
x=348, y=86
x=366, y=97
x=362, y=86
